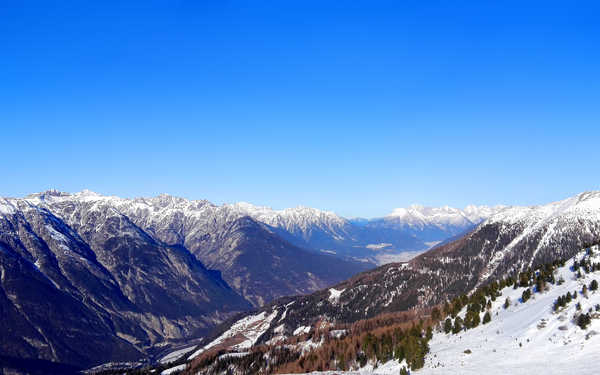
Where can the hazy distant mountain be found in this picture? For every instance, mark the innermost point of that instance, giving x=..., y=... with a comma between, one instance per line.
x=432, y=224
x=379, y=240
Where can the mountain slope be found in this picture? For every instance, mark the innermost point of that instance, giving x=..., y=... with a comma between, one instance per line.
x=509, y=241
x=134, y=271
x=98, y=292
x=253, y=259
x=512, y=334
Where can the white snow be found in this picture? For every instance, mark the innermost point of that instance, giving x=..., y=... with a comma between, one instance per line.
x=378, y=246
x=233, y=355
x=301, y=330
x=173, y=356
x=334, y=295
x=173, y=369
x=418, y=216
x=6, y=208
x=248, y=329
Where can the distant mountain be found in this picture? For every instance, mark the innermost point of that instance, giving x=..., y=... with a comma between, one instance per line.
x=433, y=224
x=511, y=240
x=379, y=240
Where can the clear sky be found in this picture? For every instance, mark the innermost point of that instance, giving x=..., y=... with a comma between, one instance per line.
x=353, y=106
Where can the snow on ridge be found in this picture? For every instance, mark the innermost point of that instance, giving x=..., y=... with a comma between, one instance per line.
x=301, y=330
x=420, y=216
x=175, y=355
x=298, y=218
x=334, y=295
x=248, y=329
x=173, y=370
x=6, y=208
x=581, y=204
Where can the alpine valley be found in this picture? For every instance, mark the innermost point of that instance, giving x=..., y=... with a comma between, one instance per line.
x=424, y=315
x=168, y=285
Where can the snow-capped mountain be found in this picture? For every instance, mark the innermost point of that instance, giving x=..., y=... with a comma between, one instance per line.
x=434, y=224
x=509, y=241
x=88, y=278
x=379, y=240
x=98, y=289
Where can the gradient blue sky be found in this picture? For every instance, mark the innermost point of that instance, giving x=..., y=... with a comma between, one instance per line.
x=357, y=107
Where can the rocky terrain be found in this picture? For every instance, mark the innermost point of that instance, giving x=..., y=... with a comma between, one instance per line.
x=87, y=279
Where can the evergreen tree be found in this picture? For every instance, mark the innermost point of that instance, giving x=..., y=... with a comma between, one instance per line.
x=448, y=325
x=429, y=333
x=458, y=325
x=584, y=320
x=487, y=317
x=594, y=285
x=507, y=303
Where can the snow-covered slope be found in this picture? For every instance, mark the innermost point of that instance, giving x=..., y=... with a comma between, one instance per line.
x=528, y=337
x=525, y=338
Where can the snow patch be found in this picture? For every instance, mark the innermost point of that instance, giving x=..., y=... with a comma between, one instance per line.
x=334, y=295
x=248, y=330
x=173, y=370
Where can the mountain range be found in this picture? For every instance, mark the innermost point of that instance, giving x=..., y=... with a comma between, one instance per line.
x=87, y=279
x=511, y=241
x=148, y=272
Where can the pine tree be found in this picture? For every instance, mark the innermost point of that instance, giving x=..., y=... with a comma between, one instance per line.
x=458, y=324
x=584, y=320
x=448, y=325
x=487, y=317
x=594, y=285
x=507, y=303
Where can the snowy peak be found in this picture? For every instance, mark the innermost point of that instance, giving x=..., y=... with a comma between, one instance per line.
x=299, y=214
x=585, y=204
x=420, y=216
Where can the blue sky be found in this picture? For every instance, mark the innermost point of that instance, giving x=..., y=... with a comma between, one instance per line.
x=357, y=107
